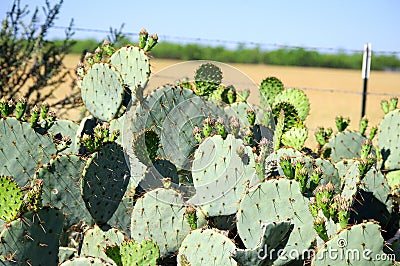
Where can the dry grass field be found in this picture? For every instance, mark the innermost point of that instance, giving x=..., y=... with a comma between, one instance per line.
x=325, y=104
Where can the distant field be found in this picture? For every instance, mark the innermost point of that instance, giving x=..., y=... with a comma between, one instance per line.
x=325, y=106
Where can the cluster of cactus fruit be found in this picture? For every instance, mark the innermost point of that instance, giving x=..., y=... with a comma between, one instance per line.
x=192, y=174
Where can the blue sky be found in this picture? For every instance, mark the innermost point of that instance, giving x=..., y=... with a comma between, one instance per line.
x=332, y=24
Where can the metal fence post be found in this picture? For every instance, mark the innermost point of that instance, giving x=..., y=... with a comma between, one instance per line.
x=366, y=66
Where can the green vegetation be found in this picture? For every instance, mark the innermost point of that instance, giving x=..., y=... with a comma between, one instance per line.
x=283, y=56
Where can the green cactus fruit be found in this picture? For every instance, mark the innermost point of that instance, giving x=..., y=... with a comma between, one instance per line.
x=320, y=136
x=96, y=240
x=198, y=134
x=269, y=88
x=105, y=169
x=34, y=112
x=345, y=145
x=363, y=125
x=366, y=147
x=160, y=216
x=11, y=200
x=44, y=109
x=393, y=103
x=221, y=175
x=295, y=138
x=385, y=106
x=208, y=124
x=297, y=98
x=343, y=216
x=389, y=140
x=313, y=207
x=134, y=66
x=144, y=253
x=315, y=178
x=359, y=245
x=274, y=235
x=220, y=127
x=151, y=42
x=191, y=217
x=342, y=123
x=320, y=228
x=251, y=117
x=206, y=247
x=287, y=167
x=107, y=47
x=207, y=79
x=302, y=177
x=103, y=91
x=33, y=239
x=23, y=150
x=86, y=261
x=143, y=35
x=275, y=200
x=20, y=108
x=61, y=188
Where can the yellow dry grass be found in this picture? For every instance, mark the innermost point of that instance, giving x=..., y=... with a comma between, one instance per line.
x=325, y=105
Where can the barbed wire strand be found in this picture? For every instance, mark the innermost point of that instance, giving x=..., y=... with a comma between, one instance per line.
x=220, y=41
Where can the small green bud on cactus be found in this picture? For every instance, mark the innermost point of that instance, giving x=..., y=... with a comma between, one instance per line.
x=313, y=207
x=231, y=96
x=315, y=178
x=34, y=116
x=248, y=137
x=219, y=125
x=6, y=107
x=365, y=165
x=235, y=126
x=20, y=107
x=167, y=182
x=191, y=217
x=366, y=147
x=251, y=117
x=320, y=136
x=342, y=123
x=373, y=132
x=64, y=143
x=287, y=166
x=198, y=134
x=98, y=54
x=343, y=215
x=302, y=177
x=50, y=118
x=393, y=103
x=320, y=228
x=324, y=197
x=89, y=58
x=114, y=135
x=143, y=35
x=328, y=132
x=260, y=167
x=266, y=147
x=44, y=109
x=88, y=143
x=152, y=41
x=300, y=164
x=107, y=47
x=207, y=126
x=363, y=125
x=385, y=106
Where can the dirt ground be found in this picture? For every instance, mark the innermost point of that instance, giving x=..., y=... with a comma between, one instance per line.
x=332, y=92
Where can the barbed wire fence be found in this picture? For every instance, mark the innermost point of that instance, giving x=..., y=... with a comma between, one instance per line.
x=181, y=39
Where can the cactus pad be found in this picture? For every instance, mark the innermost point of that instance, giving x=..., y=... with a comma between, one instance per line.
x=102, y=91
x=11, y=199
x=389, y=140
x=221, y=175
x=297, y=98
x=22, y=150
x=105, y=180
x=206, y=247
x=145, y=253
x=345, y=145
x=272, y=201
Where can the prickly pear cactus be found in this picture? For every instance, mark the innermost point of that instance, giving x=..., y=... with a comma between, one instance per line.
x=144, y=253
x=22, y=150
x=105, y=180
x=102, y=91
x=295, y=138
x=33, y=239
x=269, y=89
x=221, y=174
x=389, y=139
x=273, y=201
x=345, y=145
x=206, y=247
x=360, y=244
x=134, y=66
x=160, y=216
x=207, y=79
x=62, y=178
x=95, y=241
